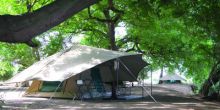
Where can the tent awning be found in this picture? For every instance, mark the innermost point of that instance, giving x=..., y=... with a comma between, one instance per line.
x=73, y=61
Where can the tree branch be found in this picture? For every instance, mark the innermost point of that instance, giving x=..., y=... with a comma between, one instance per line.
x=22, y=28
x=111, y=7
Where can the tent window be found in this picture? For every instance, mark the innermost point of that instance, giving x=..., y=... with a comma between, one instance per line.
x=50, y=86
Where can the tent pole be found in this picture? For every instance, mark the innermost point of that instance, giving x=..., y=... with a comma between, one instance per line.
x=117, y=73
x=135, y=79
x=115, y=77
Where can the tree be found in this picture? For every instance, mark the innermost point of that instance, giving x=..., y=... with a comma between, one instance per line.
x=205, y=15
x=201, y=19
x=163, y=39
x=111, y=19
x=106, y=16
x=22, y=28
x=14, y=58
x=167, y=40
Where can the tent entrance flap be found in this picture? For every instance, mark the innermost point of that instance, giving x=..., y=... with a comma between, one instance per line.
x=50, y=86
x=97, y=80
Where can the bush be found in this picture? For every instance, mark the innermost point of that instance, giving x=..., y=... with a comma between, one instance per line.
x=6, y=76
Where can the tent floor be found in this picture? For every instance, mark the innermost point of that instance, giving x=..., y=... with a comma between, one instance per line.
x=86, y=96
x=107, y=96
x=50, y=94
x=125, y=97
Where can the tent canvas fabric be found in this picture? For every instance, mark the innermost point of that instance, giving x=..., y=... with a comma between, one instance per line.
x=75, y=60
x=68, y=87
x=76, y=63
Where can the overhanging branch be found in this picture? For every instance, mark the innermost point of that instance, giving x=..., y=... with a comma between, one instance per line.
x=22, y=28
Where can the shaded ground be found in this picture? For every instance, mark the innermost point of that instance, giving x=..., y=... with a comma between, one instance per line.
x=167, y=100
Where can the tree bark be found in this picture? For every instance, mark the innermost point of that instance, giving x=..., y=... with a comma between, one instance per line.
x=214, y=77
x=111, y=34
x=161, y=75
x=161, y=72
x=110, y=21
x=22, y=28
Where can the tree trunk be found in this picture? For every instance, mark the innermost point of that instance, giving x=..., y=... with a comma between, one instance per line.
x=110, y=22
x=111, y=33
x=212, y=80
x=22, y=28
x=114, y=90
x=214, y=77
x=161, y=75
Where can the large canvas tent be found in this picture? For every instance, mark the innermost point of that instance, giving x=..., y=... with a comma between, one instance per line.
x=61, y=71
x=171, y=78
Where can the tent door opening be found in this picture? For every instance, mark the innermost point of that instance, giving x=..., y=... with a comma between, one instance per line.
x=50, y=86
x=97, y=80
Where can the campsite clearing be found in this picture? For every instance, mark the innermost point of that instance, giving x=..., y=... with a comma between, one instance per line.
x=168, y=99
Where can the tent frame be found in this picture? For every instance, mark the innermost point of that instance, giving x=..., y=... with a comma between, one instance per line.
x=130, y=72
x=117, y=62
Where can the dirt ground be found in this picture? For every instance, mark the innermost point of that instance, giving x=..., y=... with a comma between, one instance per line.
x=167, y=100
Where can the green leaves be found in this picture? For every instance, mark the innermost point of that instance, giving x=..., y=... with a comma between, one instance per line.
x=17, y=7
x=54, y=45
x=97, y=41
x=6, y=70
x=170, y=42
x=12, y=7
x=13, y=55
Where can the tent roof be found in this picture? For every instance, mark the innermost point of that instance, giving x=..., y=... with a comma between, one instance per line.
x=172, y=77
x=70, y=62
